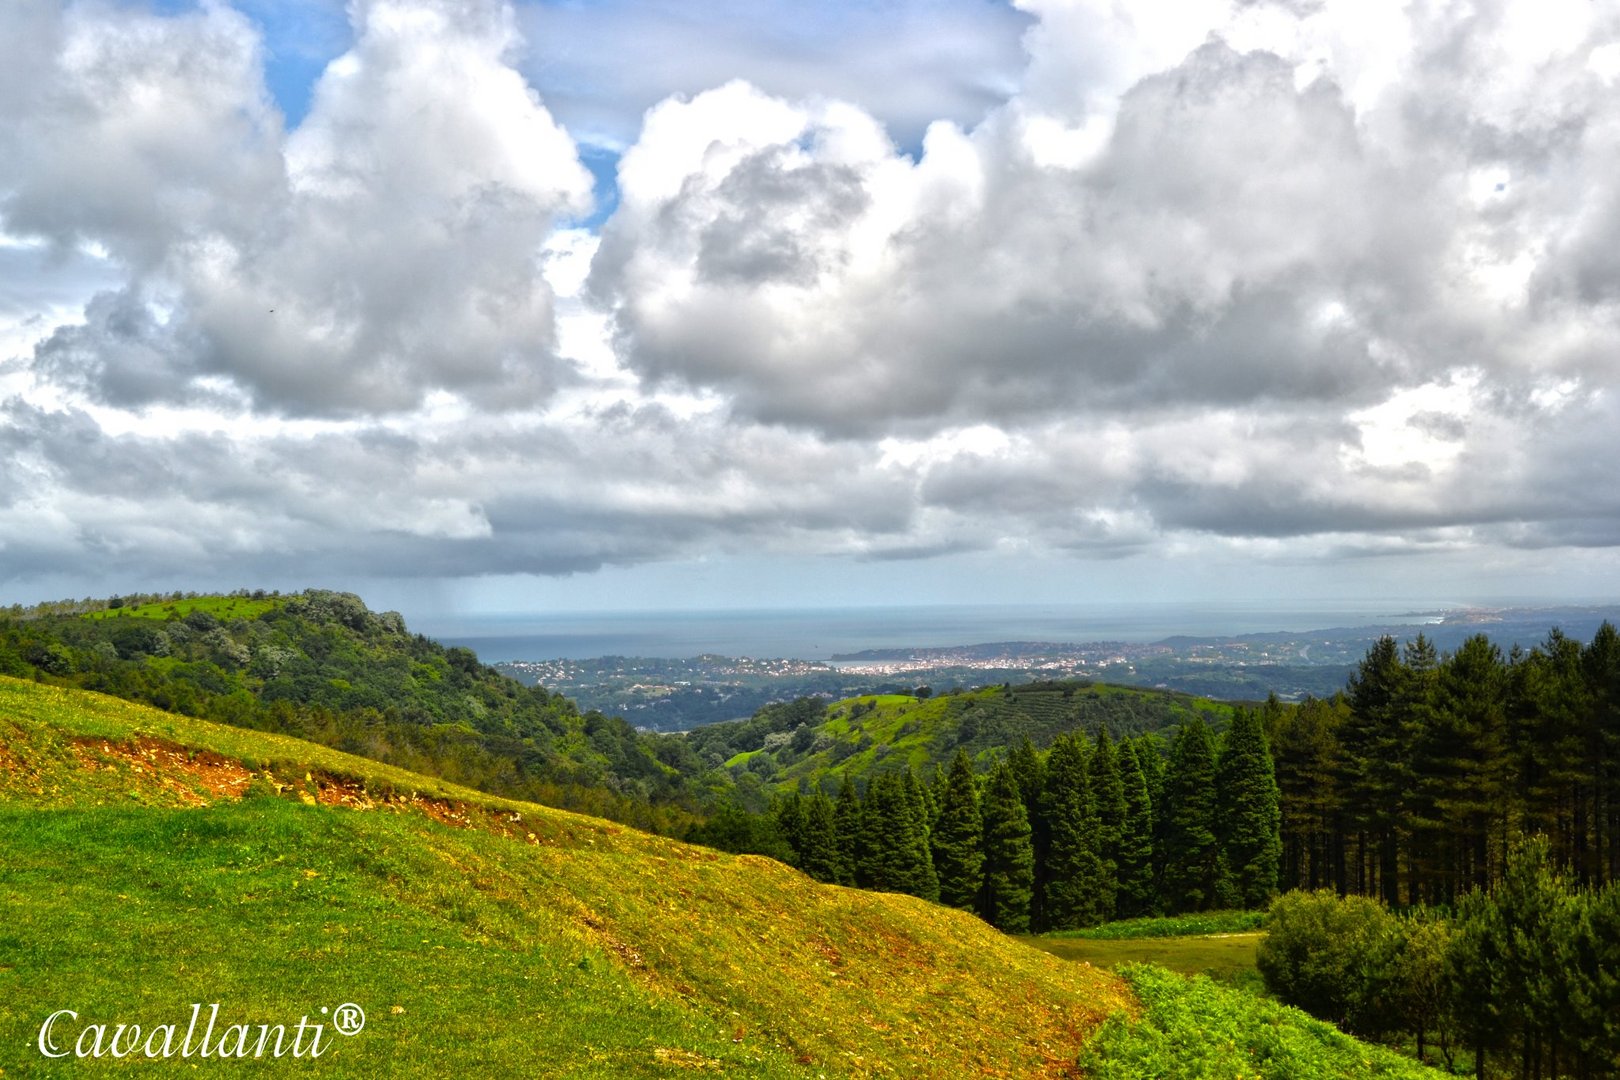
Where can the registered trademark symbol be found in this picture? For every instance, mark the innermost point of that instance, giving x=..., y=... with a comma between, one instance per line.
x=348, y=1018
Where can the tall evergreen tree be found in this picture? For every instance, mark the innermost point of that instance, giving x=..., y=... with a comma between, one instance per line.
x=1463, y=765
x=1600, y=665
x=818, y=850
x=1250, y=818
x=847, y=824
x=1154, y=754
x=883, y=821
x=1028, y=770
x=1079, y=888
x=958, y=838
x=1193, y=877
x=1108, y=793
x=1375, y=739
x=1134, y=892
x=895, y=847
x=920, y=858
x=1547, y=734
x=1307, y=760
x=936, y=796
x=1009, y=857
x=790, y=824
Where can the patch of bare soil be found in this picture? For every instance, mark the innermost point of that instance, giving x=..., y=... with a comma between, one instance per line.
x=198, y=777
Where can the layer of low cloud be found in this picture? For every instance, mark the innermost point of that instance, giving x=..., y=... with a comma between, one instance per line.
x=1282, y=282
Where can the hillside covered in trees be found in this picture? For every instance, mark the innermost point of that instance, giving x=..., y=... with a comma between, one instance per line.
x=1089, y=830
x=1414, y=784
x=320, y=666
x=810, y=745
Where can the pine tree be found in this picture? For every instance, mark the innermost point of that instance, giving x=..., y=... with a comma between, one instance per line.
x=1134, y=895
x=1547, y=731
x=1462, y=762
x=1250, y=819
x=1376, y=739
x=1193, y=868
x=958, y=838
x=848, y=826
x=1108, y=792
x=922, y=881
x=1154, y=757
x=1078, y=886
x=1151, y=755
x=818, y=851
x=936, y=796
x=1307, y=759
x=1009, y=858
x=1027, y=771
x=790, y=824
x=882, y=822
x=1600, y=665
x=896, y=844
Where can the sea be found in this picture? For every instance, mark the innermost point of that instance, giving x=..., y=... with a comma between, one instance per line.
x=821, y=633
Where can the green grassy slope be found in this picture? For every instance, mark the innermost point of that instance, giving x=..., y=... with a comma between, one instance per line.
x=481, y=936
x=786, y=745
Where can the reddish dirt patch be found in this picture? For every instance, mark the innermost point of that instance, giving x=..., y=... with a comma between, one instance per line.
x=14, y=772
x=201, y=777
x=350, y=793
x=198, y=777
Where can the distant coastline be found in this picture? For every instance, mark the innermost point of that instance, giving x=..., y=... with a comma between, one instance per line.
x=822, y=634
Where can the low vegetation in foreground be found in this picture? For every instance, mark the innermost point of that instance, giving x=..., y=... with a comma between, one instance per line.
x=149, y=860
x=482, y=936
x=1198, y=1028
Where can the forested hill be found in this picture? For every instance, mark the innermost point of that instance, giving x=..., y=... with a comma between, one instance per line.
x=320, y=666
x=805, y=741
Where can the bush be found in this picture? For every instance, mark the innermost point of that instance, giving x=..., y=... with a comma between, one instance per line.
x=1328, y=954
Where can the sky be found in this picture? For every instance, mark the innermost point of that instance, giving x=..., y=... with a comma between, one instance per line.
x=475, y=306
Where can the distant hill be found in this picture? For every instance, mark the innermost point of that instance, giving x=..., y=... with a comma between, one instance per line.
x=813, y=745
x=321, y=666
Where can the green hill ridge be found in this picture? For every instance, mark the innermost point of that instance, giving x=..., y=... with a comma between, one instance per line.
x=810, y=746
x=482, y=936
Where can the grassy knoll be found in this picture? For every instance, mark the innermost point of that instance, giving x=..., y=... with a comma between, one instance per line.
x=483, y=937
x=1227, y=957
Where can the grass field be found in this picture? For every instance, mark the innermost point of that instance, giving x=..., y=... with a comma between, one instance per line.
x=1223, y=957
x=481, y=937
x=1203, y=922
